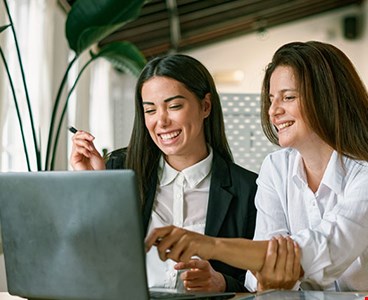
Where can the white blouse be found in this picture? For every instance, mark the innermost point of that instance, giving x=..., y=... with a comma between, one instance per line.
x=330, y=226
x=181, y=200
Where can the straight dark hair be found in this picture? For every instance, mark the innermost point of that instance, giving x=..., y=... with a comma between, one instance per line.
x=143, y=155
x=333, y=98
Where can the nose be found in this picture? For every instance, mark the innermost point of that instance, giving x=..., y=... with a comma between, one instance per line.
x=275, y=108
x=163, y=118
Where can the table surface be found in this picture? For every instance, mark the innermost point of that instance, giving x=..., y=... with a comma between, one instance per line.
x=7, y=296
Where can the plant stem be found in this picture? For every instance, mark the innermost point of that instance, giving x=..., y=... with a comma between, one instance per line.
x=17, y=108
x=63, y=113
x=54, y=112
x=37, y=150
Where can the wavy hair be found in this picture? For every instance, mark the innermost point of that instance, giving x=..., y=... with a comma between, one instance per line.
x=333, y=98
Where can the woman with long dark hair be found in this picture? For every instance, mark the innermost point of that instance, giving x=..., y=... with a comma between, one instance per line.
x=186, y=174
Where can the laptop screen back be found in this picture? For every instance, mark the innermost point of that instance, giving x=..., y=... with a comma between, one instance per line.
x=73, y=235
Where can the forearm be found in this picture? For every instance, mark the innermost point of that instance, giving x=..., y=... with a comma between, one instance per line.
x=240, y=253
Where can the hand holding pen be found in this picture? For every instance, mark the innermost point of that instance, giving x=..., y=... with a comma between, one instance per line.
x=72, y=129
x=84, y=154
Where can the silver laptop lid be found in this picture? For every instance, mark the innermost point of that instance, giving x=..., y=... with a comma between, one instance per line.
x=73, y=235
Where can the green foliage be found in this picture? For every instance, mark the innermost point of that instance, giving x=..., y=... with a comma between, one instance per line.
x=124, y=56
x=2, y=28
x=88, y=22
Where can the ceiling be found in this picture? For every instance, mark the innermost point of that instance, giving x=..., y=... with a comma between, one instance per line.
x=180, y=25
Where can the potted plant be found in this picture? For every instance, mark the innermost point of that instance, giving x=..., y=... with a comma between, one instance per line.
x=87, y=23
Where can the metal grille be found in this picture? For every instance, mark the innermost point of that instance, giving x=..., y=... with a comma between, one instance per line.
x=243, y=129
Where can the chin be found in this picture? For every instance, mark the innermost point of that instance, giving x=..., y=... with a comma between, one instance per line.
x=169, y=151
x=284, y=144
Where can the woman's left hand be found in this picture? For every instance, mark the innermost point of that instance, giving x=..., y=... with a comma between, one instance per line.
x=281, y=269
x=200, y=276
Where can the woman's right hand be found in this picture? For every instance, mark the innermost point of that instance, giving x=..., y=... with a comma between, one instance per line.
x=84, y=155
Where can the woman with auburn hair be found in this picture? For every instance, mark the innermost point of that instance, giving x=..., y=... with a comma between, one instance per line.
x=312, y=197
x=183, y=163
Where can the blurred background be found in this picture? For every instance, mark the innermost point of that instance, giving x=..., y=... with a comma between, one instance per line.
x=234, y=39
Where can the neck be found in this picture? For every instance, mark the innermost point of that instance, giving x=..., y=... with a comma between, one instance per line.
x=181, y=162
x=315, y=160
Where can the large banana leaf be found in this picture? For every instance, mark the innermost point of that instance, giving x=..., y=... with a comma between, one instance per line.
x=89, y=21
x=123, y=55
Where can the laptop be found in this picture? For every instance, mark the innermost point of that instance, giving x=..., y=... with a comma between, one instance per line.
x=76, y=235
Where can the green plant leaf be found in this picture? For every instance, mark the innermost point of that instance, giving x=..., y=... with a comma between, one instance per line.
x=123, y=55
x=2, y=28
x=89, y=21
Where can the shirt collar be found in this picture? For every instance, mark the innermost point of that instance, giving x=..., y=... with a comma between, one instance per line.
x=193, y=174
x=334, y=173
x=332, y=178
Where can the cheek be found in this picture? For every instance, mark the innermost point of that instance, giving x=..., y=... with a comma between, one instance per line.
x=149, y=123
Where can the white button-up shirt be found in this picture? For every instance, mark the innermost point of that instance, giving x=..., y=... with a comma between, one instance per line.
x=181, y=200
x=330, y=226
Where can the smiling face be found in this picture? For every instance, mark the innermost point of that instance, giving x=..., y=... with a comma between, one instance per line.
x=175, y=118
x=285, y=113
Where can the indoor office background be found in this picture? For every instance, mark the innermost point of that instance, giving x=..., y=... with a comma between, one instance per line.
x=103, y=101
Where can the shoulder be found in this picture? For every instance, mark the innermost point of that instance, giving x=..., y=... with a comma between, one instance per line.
x=239, y=171
x=280, y=159
x=278, y=168
x=116, y=159
x=356, y=173
x=229, y=173
x=283, y=154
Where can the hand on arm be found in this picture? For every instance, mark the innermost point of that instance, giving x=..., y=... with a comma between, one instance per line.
x=201, y=276
x=84, y=155
x=281, y=269
x=179, y=244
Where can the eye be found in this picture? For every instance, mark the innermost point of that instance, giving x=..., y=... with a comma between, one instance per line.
x=288, y=98
x=176, y=106
x=149, y=111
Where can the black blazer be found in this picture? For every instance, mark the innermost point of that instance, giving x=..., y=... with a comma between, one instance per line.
x=231, y=211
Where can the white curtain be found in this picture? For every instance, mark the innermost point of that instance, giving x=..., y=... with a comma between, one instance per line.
x=39, y=26
x=101, y=109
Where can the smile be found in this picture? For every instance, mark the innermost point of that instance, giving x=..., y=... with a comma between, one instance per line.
x=168, y=136
x=284, y=125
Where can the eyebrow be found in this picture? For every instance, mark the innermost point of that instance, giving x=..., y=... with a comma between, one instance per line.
x=165, y=100
x=284, y=90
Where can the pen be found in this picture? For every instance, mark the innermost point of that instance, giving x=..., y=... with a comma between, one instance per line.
x=72, y=129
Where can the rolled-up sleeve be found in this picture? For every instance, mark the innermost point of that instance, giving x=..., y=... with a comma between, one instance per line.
x=341, y=237
x=330, y=225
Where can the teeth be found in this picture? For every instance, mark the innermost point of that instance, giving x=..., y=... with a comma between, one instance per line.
x=286, y=124
x=168, y=136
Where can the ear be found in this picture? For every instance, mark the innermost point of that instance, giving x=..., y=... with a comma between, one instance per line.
x=207, y=105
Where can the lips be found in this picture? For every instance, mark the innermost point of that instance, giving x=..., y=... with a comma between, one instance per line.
x=285, y=124
x=170, y=135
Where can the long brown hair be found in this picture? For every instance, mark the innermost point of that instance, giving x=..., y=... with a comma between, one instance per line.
x=143, y=155
x=333, y=98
